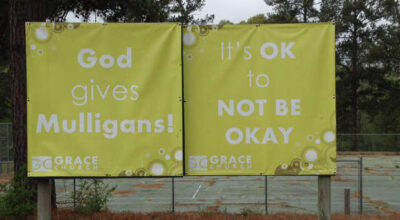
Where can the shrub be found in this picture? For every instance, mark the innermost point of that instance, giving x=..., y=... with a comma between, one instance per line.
x=91, y=195
x=19, y=197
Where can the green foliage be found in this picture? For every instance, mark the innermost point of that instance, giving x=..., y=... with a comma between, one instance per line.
x=258, y=19
x=224, y=22
x=367, y=60
x=248, y=211
x=92, y=195
x=292, y=11
x=19, y=198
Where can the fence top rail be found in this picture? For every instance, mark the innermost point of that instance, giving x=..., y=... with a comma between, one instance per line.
x=369, y=134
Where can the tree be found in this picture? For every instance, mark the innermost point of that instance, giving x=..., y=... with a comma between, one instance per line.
x=356, y=23
x=224, y=22
x=182, y=11
x=5, y=101
x=292, y=11
x=258, y=19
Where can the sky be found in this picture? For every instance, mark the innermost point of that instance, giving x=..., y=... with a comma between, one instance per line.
x=233, y=10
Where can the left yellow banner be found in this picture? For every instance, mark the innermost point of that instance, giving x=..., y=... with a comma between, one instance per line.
x=104, y=99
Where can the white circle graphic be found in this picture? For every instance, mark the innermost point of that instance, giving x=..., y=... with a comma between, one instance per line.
x=329, y=136
x=188, y=39
x=157, y=169
x=311, y=155
x=41, y=33
x=178, y=155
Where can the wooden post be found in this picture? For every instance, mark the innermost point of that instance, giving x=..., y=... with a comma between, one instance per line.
x=44, y=199
x=347, y=201
x=324, y=197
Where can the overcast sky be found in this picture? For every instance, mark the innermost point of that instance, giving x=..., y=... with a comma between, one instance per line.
x=233, y=10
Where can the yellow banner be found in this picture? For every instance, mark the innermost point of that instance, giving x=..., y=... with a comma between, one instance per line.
x=104, y=99
x=260, y=99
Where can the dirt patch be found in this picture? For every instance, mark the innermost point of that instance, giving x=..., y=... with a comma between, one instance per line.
x=210, y=182
x=149, y=186
x=340, y=179
x=71, y=215
x=123, y=193
x=6, y=178
x=378, y=204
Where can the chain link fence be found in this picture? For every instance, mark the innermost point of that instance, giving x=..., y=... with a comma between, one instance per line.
x=373, y=185
x=368, y=142
x=6, y=153
x=231, y=194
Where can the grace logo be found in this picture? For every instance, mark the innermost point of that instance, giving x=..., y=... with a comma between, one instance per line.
x=198, y=163
x=42, y=164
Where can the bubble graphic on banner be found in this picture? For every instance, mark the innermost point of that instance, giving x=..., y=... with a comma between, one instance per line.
x=189, y=39
x=310, y=137
x=318, y=141
x=311, y=155
x=176, y=170
x=128, y=172
x=71, y=26
x=330, y=154
x=42, y=33
x=58, y=27
x=189, y=56
x=204, y=29
x=40, y=52
x=157, y=169
x=167, y=157
x=329, y=136
x=178, y=155
x=33, y=47
x=161, y=151
x=141, y=172
x=293, y=169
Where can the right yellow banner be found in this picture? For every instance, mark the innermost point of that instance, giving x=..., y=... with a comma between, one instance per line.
x=260, y=99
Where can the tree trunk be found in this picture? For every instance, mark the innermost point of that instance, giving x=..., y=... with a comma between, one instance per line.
x=20, y=11
x=355, y=84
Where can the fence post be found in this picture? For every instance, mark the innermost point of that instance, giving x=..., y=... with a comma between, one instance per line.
x=360, y=186
x=173, y=194
x=74, y=195
x=266, y=194
x=44, y=199
x=324, y=197
x=347, y=201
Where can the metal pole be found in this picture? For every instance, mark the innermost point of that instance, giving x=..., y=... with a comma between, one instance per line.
x=74, y=193
x=43, y=199
x=266, y=194
x=360, y=189
x=324, y=197
x=347, y=201
x=173, y=194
